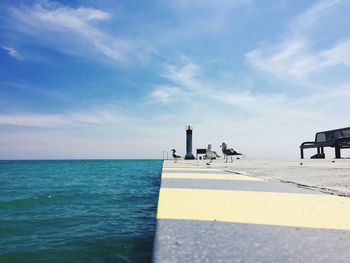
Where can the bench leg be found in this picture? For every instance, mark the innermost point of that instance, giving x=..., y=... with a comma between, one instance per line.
x=337, y=153
x=301, y=153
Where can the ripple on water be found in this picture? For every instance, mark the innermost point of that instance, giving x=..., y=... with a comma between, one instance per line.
x=78, y=211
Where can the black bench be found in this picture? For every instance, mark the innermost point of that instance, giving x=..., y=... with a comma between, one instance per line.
x=338, y=139
x=201, y=151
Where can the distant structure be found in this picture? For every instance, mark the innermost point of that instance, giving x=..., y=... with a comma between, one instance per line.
x=189, y=155
x=201, y=153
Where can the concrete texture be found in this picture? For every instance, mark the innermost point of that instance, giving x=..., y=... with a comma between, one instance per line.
x=213, y=241
x=254, y=211
x=327, y=175
x=232, y=185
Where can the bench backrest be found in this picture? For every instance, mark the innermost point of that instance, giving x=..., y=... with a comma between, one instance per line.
x=201, y=151
x=332, y=135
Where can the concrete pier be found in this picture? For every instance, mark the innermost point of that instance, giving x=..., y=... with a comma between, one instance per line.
x=241, y=212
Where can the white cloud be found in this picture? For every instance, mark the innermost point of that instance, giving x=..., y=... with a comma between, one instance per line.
x=102, y=132
x=183, y=76
x=13, y=53
x=313, y=14
x=72, y=30
x=166, y=94
x=193, y=88
x=33, y=120
x=309, y=54
x=99, y=116
x=293, y=59
x=337, y=55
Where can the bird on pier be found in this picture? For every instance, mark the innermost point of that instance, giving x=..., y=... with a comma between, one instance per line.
x=228, y=152
x=175, y=156
x=211, y=154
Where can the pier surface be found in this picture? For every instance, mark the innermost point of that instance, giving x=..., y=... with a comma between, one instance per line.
x=253, y=211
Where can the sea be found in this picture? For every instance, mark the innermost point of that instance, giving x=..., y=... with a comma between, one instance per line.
x=78, y=210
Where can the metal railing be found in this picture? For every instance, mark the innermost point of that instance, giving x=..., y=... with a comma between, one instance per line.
x=165, y=153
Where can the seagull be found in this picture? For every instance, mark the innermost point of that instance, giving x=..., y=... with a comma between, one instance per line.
x=211, y=154
x=175, y=156
x=228, y=152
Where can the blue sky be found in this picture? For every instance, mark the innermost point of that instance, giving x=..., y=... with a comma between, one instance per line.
x=122, y=79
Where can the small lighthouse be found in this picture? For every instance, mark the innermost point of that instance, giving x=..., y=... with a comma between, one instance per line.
x=189, y=155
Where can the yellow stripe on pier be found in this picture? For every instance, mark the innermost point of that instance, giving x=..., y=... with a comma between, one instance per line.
x=191, y=169
x=210, y=176
x=270, y=208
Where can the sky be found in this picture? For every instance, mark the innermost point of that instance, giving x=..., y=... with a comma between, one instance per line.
x=123, y=79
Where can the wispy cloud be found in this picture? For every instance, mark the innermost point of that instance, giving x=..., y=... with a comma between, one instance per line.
x=42, y=120
x=184, y=76
x=313, y=14
x=167, y=94
x=293, y=60
x=101, y=132
x=308, y=53
x=186, y=83
x=13, y=53
x=98, y=116
x=72, y=30
x=216, y=99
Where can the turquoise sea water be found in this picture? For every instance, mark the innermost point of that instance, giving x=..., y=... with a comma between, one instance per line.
x=78, y=210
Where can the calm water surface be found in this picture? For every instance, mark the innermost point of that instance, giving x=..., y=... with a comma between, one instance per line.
x=78, y=211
